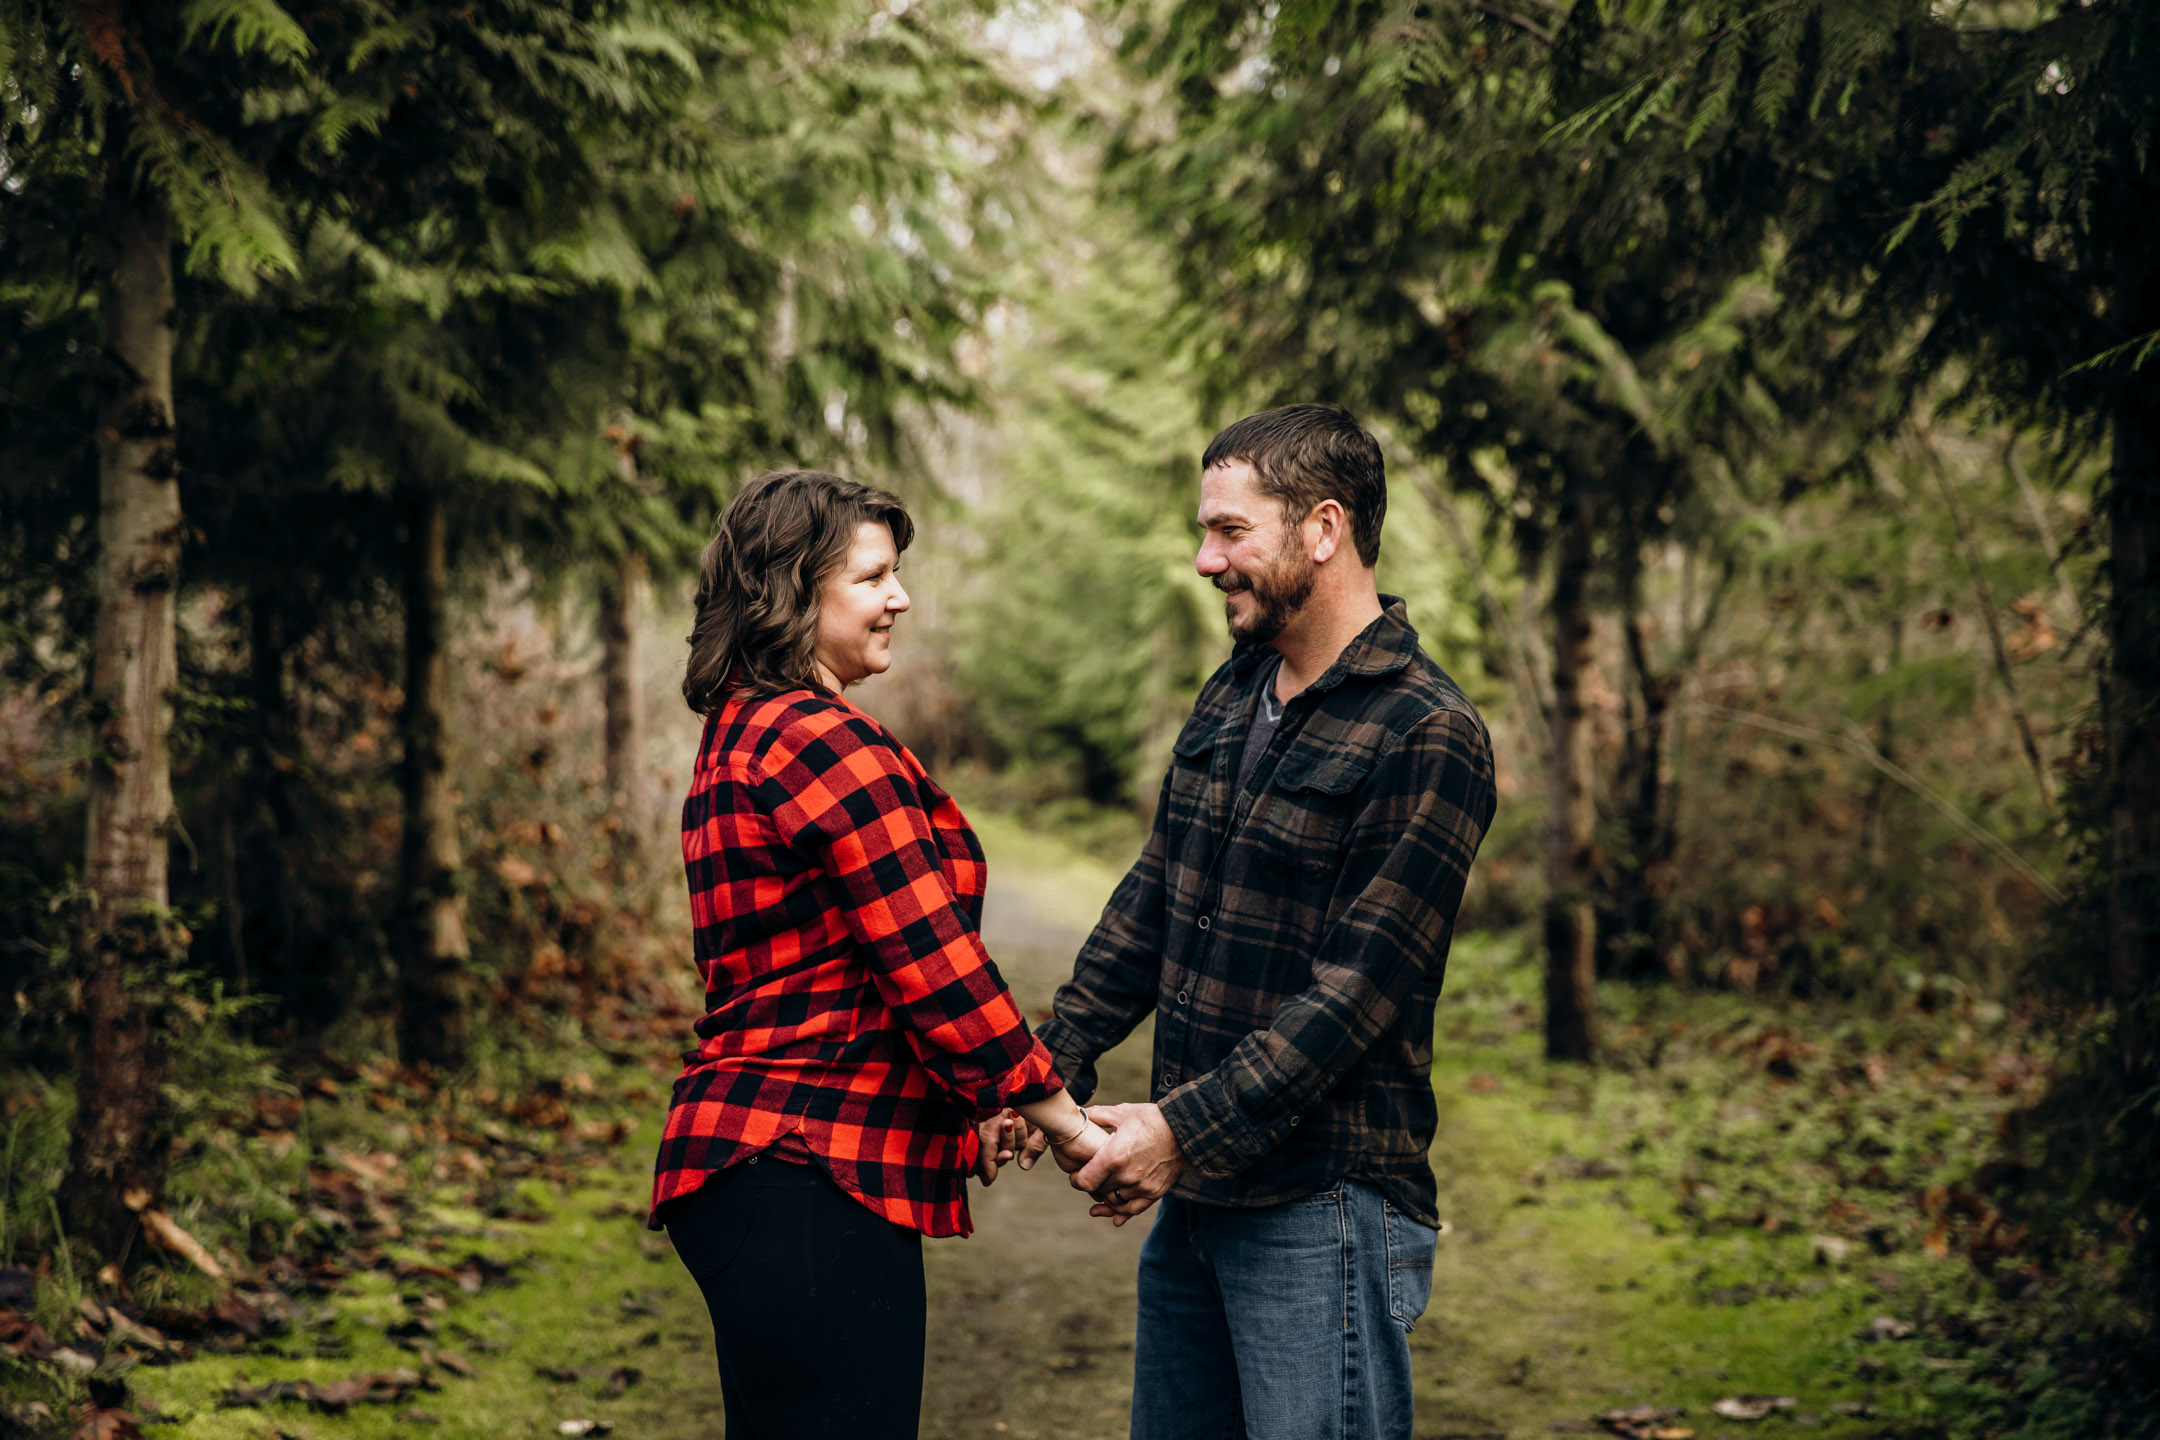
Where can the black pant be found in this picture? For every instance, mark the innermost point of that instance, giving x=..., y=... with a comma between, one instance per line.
x=817, y=1304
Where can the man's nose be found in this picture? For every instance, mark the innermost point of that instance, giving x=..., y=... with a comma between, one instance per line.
x=1210, y=562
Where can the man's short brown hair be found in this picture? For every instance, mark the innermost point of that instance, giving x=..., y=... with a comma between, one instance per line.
x=1304, y=454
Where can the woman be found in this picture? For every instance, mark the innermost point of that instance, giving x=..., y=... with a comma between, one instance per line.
x=859, y=1052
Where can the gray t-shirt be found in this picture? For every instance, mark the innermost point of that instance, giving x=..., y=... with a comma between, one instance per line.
x=1266, y=716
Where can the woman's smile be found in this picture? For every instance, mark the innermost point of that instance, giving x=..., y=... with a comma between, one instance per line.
x=857, y=606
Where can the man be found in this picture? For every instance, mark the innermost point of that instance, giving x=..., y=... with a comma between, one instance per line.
x=1287, y=924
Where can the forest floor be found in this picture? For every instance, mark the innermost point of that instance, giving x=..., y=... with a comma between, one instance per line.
x=1743, y=1202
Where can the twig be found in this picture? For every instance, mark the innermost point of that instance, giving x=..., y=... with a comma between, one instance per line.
x=1986, y=595
x=2038, y=512
x=1521, y=22
x=1861, y=750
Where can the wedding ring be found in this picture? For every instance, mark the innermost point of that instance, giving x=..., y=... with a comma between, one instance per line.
x=1117, y=1196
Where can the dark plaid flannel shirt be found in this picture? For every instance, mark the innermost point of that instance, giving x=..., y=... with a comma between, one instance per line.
x=1291, y=942
x=835, y=894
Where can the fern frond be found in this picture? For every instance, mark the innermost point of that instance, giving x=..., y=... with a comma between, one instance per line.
x=250, y=27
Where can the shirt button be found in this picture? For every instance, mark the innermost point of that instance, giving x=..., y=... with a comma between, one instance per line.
x=1295, y=1118
x=1182, y=997
x=1203, y=922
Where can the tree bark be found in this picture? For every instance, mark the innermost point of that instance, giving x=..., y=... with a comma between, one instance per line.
x=2133, y=682
x=128, y=939
x=1570, y=921
x=623, y=704
x=434, y=1000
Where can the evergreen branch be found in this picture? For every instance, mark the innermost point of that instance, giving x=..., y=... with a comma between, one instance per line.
x=1654, y=91
x=2144, y=345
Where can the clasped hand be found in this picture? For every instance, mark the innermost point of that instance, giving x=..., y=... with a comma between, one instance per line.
x=1124, y=1158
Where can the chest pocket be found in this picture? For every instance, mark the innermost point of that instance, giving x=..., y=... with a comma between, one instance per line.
x=1192, y=756
x=1298, y=826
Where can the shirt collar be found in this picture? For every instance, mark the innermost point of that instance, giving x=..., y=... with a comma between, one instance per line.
x=1382, y=648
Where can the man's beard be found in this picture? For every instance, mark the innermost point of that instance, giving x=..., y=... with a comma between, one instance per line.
x=1278, y=594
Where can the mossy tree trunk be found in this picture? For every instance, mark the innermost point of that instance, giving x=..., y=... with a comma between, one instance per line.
x=128, y=941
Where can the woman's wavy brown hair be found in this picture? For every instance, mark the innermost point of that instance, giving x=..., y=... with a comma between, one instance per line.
x=757, y=599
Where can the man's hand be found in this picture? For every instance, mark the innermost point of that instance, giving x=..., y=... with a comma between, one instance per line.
x=1030, y=1140
x=996, y=1135
x=1138, y=1166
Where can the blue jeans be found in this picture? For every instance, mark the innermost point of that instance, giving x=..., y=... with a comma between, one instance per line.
x=1285, y=1323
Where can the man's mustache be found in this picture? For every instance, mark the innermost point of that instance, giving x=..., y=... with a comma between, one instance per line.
x=1232, y=583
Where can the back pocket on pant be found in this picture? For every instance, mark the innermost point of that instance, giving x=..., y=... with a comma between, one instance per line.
x=1410, y=1248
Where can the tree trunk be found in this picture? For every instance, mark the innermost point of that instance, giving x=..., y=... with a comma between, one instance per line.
x=1646, y=783
x=625, y=728
x=273, y=815
x=1570, y=922
x=2133, y=684
x=128, y=939
x=433, y=1012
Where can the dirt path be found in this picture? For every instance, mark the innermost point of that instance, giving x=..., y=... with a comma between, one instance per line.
x=1031, y=1318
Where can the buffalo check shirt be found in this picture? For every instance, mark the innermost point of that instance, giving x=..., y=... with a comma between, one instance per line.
x=1290, y=935
x=835, y=893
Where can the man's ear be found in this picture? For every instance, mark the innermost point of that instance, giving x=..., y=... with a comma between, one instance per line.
x=1334, y=525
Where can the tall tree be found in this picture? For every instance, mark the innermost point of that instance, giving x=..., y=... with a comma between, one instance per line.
x=1968, y=193
x=135, y=118
x=1366, y=206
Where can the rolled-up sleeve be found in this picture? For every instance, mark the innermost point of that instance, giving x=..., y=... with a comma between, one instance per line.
x=1425, y=810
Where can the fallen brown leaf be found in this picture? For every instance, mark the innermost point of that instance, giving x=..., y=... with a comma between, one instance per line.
x=23, y=1336
x=166, y=1234
x=1642, y=1422
x=100, y=1424
x=451, y=1361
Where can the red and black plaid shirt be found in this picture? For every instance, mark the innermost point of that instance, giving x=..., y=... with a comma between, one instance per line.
x=835, y=893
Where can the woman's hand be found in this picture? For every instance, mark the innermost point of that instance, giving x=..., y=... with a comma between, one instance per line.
x=1081, y=1148
x=999, y=1144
